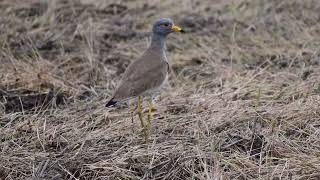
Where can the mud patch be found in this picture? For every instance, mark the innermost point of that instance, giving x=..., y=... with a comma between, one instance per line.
x=253, y=146
x=34, y=9
x=199, y=23
x=24, y=100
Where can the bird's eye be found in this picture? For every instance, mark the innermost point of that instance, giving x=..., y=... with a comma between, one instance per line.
x=166, y=24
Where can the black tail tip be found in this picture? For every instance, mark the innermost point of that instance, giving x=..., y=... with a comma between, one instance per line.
x=111, y=103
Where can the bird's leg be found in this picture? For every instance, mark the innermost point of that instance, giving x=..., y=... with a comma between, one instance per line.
x=141, y=120
x=150, y=113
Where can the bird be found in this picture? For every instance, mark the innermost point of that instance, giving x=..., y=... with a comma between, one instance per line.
x=146, y=75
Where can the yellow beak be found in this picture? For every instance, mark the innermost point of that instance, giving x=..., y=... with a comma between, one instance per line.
x=176, y=28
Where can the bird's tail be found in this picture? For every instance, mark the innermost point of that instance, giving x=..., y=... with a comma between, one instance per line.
x=111, y=103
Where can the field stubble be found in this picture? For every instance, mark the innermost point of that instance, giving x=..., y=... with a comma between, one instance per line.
x=242, y=100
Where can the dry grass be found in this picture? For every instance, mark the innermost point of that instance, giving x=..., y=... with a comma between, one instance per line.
x=242, y=101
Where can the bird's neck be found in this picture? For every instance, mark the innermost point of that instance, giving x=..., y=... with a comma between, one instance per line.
x=158, y=42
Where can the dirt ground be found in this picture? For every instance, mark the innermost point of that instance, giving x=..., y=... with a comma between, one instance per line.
x=242, y=100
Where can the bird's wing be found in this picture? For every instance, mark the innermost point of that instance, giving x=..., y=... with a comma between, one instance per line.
x=140, y=77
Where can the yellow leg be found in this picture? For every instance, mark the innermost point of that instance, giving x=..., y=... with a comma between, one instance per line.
x=141, y=120
x=150, y=112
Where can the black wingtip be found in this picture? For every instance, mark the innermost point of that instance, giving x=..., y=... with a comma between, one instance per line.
x=111, y=103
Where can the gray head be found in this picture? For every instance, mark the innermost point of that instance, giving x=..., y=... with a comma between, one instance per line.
x=165, y=26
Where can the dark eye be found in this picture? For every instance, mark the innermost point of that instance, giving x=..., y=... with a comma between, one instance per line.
x=166, y=24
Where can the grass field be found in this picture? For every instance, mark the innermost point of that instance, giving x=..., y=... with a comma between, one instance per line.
x=242, y=101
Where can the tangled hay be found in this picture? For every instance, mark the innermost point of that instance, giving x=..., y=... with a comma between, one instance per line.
x=242, y=100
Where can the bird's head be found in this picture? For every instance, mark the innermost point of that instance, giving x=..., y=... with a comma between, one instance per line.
x=165, y=26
